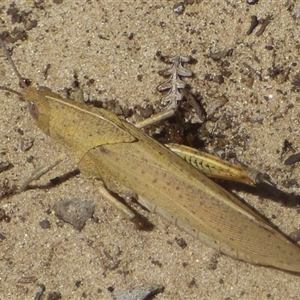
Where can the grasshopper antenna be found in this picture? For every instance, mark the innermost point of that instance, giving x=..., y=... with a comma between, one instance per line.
x=11, y=62
x=4, y=88
x=21, y=79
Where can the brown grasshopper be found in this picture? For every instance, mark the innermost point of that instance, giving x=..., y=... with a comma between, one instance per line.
x=132, y=164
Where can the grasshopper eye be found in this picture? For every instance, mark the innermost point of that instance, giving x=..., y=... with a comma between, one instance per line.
x=33, y=110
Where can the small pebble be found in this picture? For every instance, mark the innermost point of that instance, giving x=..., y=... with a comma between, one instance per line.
x=74, y=211
x=45, y=224
x=142, y=292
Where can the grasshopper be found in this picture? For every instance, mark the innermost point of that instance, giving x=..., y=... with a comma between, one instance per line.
x=132, y=164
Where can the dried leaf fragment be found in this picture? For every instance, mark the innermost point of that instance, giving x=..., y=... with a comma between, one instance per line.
x=292, y=159
x=174, y=83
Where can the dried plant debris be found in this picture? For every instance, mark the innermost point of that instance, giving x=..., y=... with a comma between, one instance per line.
x=4, y=216
x=264, y=23
x=254, y=23
x=142, y=292
x=27, y=279
x=6, y=189
x=39, y=293
x=253, y=71
x=286, y=147
x=74, y=211
x=24, y=22
x=178, y=8
x=280, y=74
x=221, y=54
x=296, y=83
x=174, y=84
x=214, y=105
x=292, y=159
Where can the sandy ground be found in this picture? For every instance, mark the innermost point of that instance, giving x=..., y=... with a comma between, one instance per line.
x=115, y=44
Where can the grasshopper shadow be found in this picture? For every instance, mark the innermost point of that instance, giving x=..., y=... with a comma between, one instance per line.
x=264, y=190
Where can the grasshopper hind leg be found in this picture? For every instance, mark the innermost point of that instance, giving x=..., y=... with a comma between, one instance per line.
x=130, y=214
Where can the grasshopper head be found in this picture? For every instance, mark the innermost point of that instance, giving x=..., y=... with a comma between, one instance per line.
x=38, y=107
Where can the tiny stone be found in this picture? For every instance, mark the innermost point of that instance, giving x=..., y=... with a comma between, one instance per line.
x=26, y=144
x=146, y=111
x=181, y=242
x=45, y=224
